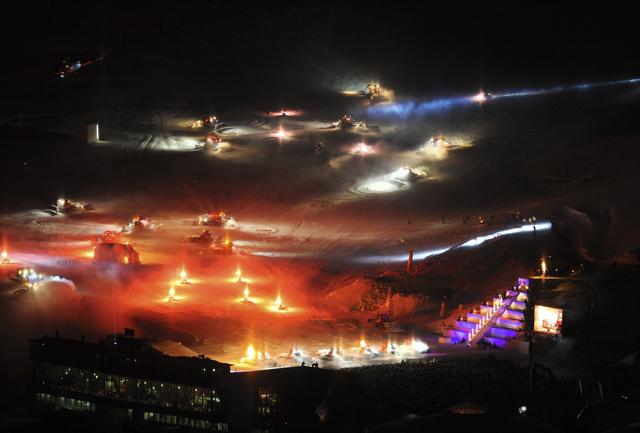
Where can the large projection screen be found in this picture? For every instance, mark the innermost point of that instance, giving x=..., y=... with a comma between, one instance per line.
x=547, y=320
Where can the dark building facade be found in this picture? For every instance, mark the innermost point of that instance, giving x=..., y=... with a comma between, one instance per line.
x=280, y=399
x=129, y=378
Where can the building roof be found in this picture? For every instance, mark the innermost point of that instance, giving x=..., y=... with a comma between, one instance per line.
x=132, y=357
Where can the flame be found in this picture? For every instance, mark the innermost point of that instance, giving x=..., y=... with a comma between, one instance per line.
x=239, y=274
x=245, y=292
x=251, y=352
x=172, y=292
x=543, y=266
x=183, y=275
x=363, y=344
x=390, y=347
x=278, y=302
x=419, y=346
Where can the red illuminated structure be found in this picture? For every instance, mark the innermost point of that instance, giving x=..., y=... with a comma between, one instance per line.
x=110, y=250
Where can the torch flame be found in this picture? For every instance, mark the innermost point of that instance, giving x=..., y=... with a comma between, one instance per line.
x=172, y=292
x=239, y=274
x=419, y=346
x=543, y=267
x=246, y=292
x=251, y=352
x=183, y=275
x=363, y=344
x=278, y=301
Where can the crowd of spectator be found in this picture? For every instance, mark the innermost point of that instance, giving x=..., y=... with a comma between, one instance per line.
x=433, y=385
x=383, y=392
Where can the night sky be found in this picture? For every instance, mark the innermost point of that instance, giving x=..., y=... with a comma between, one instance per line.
x=415, y=48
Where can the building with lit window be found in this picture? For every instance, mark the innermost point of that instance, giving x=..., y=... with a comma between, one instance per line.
x=151, y=382
x=279, y=399
x=129, y=377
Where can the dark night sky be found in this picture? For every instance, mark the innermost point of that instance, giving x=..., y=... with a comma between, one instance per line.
x=416, y=48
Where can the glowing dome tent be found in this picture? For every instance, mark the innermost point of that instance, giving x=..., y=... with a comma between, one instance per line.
x=116, y=253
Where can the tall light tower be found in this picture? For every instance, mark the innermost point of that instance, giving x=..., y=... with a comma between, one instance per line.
x=410, y=260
